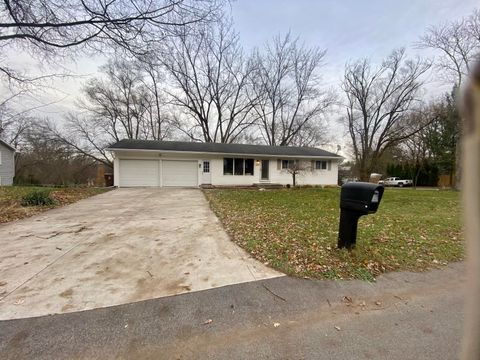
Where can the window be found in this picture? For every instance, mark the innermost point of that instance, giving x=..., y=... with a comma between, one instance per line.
x=238, y=166
x=288, y=164
x=206, y=166
x=227, y=166
x=239, y=163
x=320, y=165
x=249, y=166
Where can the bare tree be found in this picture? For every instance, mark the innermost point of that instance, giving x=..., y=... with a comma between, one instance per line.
x=378, y=103
x=210, y=78
x=51, y=29
x=48, y=24
x=158, y=120
x=414, y=150
x=297, y=168
x=286, y=86
x=125, y=103
x=11, y=122
x=117, y=102
x=80, y=136
x=43, y=161
x=16, y=114
x=458, y=43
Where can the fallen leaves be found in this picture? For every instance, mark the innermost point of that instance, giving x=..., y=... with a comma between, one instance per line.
x=348, y=300
x=10, y=199
x=295, y=231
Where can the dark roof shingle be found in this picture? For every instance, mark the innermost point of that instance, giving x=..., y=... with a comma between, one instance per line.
x=219, y=148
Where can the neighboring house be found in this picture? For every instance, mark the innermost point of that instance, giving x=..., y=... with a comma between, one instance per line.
x=174, y=163
x=7, y=163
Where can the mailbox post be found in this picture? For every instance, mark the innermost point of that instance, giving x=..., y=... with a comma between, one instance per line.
x=356, y=199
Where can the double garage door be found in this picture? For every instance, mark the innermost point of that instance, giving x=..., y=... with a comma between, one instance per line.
x=158, y=173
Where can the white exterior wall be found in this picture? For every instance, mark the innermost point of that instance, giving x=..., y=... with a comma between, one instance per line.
x=116, y=172
x=218, y=179
x=307, y=177
x=7, y=165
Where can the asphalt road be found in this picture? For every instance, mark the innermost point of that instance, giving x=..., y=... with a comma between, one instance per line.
x=401, y=316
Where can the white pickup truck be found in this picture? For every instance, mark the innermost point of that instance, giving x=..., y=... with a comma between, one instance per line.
x=396, y=181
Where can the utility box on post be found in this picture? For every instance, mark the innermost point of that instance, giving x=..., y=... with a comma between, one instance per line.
x=356, y=199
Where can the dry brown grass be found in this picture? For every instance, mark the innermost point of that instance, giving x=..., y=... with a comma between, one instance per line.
x=11, y=208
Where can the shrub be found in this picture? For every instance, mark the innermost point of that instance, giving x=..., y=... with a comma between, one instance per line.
x=37, y=197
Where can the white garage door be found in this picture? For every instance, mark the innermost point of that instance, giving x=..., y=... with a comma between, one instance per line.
x=139, y=172
x=179, y=173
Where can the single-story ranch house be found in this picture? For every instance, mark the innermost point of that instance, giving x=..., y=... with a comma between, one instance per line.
x=7, y=163
x=175, y=163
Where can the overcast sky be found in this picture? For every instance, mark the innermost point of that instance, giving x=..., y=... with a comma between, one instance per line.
x=348, y=29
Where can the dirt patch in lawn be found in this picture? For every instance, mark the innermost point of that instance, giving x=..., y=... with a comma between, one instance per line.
x=295, y=231
x=11, y=200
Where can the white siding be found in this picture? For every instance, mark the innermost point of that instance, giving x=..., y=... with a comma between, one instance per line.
x=308, y=177
x=216, y=168
x=7, y=165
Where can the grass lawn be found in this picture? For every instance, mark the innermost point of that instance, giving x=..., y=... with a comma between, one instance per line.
x=11, y=199
x=295, y=230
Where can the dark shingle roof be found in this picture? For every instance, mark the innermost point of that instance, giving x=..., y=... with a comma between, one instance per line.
x=218, y=148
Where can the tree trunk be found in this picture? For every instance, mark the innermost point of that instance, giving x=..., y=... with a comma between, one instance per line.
x=364, y=173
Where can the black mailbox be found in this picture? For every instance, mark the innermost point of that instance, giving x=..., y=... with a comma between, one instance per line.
x=356, y=199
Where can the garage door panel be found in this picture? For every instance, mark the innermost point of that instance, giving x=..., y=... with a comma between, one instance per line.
x=139, y=173
x=179, y=173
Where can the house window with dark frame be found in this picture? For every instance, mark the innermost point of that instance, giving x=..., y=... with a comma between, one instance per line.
x=238, y=166
x=228, y=166
x=206, y=166
x=249, y=166
x=320, y=165
x=288, y=164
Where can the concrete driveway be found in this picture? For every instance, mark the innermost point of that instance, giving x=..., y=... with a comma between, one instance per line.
x=123, y=246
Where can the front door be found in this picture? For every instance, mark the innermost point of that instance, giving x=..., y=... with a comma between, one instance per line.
x=206, y=174
x=265, y=169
